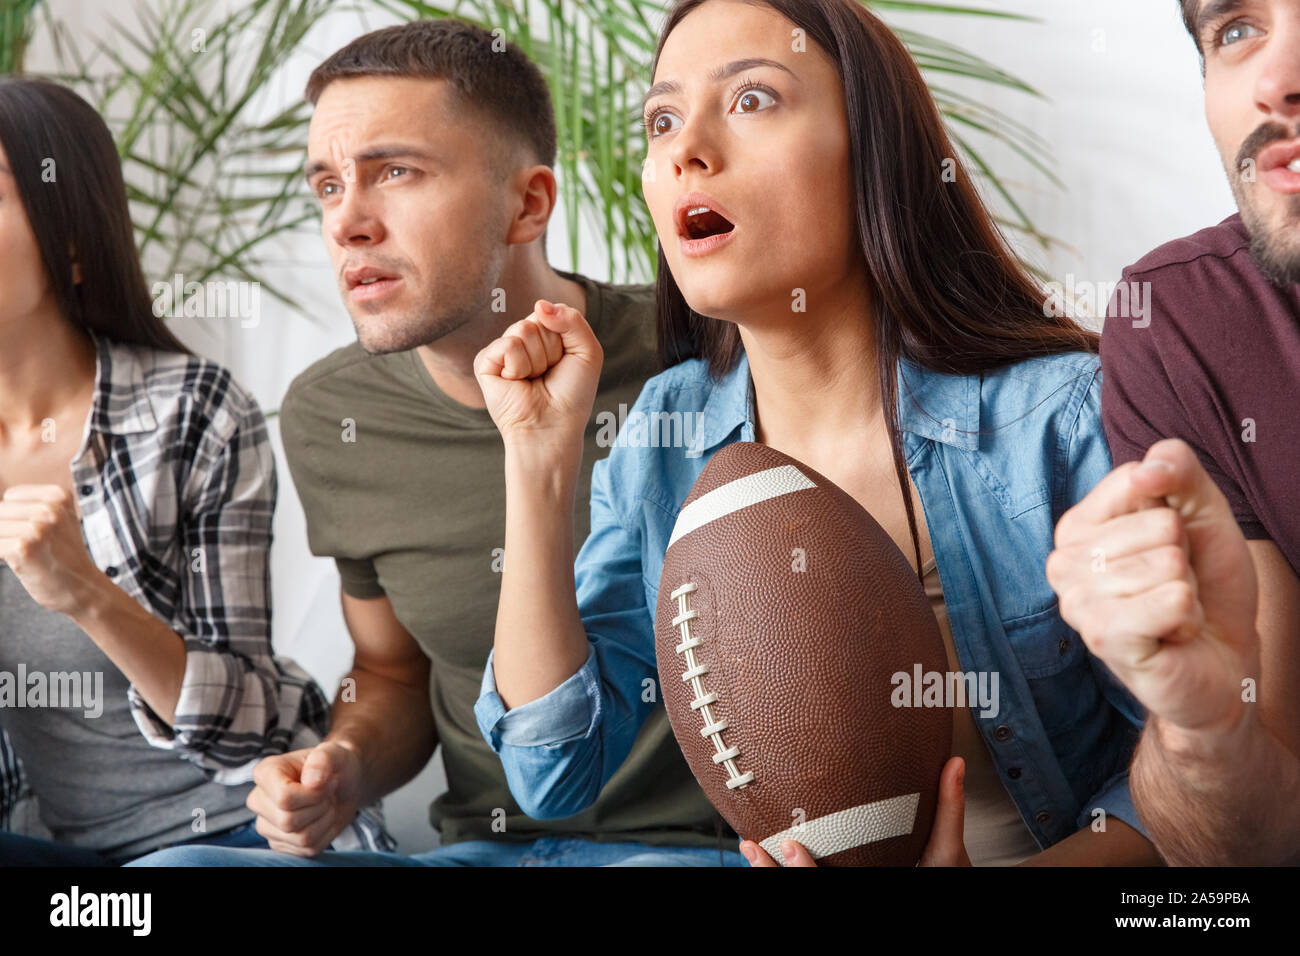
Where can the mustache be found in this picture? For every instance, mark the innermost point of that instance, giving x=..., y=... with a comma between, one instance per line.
x=1258, y=141
x=382, y=263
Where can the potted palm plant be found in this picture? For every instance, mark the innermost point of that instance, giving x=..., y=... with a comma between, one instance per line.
x=213, y=158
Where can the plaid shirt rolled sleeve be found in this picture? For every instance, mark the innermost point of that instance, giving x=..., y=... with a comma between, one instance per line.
x=237, y=701
x=177, y=457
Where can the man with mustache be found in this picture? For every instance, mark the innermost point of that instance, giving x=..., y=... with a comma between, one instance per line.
x=1181, y=572
x=430, y=151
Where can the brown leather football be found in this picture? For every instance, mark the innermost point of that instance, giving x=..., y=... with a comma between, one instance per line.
x=784, y=612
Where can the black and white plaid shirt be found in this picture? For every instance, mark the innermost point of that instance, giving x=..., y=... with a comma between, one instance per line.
x=175, y=480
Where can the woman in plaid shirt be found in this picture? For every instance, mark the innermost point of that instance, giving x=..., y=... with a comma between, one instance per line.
x=138, y=687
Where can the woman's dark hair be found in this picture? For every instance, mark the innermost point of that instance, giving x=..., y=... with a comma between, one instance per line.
x=947, y=291
x=69, y=180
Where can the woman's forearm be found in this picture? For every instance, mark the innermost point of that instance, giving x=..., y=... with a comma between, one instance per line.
x=1118, y=845
x=142, y=647
x=540, y=640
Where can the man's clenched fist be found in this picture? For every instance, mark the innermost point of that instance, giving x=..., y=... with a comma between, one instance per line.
x=305, y=798
x=1155, y=575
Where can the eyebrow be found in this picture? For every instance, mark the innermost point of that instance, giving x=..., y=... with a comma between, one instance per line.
x=1213, y=11
x=393, y=151
x=716, y=75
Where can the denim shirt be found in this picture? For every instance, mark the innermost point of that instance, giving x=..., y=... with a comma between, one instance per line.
x=996, y=459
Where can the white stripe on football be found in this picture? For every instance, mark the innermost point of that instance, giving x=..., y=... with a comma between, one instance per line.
x=741, y=493
x=846, y=829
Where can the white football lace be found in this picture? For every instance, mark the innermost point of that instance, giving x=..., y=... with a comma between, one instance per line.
x=703, y=701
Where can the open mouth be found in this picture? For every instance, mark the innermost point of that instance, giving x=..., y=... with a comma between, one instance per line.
x=702, y=222
x=1279, y=167
x=1281, y=156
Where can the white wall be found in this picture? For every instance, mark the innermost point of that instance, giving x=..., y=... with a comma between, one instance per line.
x=1123, y=112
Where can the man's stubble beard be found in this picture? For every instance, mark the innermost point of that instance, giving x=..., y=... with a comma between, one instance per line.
x=445, y=310
x=1275, y=250
x=1277, y=258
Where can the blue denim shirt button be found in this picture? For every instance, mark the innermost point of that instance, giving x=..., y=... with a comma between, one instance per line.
x=1063, y=646
x=1042, y=817
x=1014, y=773
x=1003, y=732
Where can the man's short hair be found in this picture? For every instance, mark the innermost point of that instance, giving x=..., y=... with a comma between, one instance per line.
x=501, y=84
x=1189, y=8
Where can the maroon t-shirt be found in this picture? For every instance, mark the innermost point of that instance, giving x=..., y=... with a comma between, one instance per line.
x=1219, y=367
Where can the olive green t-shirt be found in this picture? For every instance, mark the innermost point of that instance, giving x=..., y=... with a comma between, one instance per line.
x=405, y=488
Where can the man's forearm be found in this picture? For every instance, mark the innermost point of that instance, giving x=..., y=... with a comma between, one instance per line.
x=1218, y=799
x=388, y=725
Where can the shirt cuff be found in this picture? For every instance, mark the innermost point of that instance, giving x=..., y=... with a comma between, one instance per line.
x=155, y=730
x=211, y=674
x=205, y=669
x=1117, y=801
x=366, y=832
x=569, y=712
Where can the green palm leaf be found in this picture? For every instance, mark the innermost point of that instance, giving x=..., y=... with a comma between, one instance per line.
x=215, y=165
x=17, y=21
x=596, y=57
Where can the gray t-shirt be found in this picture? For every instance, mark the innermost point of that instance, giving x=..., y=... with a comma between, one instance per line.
x=98, y=782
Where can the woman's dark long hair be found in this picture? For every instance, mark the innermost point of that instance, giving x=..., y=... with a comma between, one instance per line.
x=69, y=180
x=947, y=291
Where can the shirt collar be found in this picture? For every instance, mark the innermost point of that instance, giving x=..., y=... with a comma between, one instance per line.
x=122, y=405
x=933, y=405
x=944, y=408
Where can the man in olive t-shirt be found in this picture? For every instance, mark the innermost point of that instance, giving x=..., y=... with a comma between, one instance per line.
x=404, y=487
x=430, y=151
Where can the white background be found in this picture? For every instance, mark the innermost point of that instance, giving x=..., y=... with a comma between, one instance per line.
x=1122, y=111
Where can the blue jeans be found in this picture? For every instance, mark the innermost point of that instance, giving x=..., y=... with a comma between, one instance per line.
x=546, y=851
x=17, y=850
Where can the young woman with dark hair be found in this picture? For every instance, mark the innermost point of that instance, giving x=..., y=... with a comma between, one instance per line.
x=847, y=300
x=137, y=486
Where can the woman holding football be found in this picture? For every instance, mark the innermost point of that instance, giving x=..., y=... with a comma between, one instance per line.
x=831, y=285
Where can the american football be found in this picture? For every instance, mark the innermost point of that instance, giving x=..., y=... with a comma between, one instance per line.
x=783, y=611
